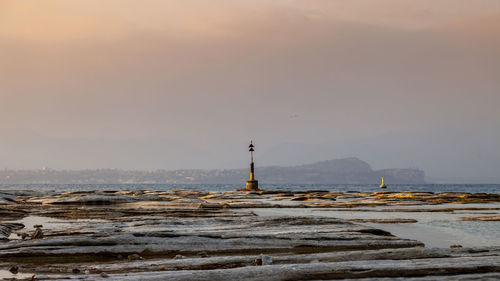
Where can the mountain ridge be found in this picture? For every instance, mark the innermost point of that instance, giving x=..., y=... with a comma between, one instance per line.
x=336, y=171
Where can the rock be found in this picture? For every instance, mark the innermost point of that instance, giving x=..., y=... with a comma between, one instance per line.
x=23, y=235
x=210, y=206
x=10, y=215
x=484, y=218
x=374, y=269
x=374, y=231
x=7, y=228
x=266, y=260
x=300, y=198
x=104, y=275
x=38, y=234
x=299, y=244
x=455, y=246
x=134, y=257
x=89, y=199
x=257, y=261
x=385, y=220
x=203, y=254
x=217, y=236
x=14, y=269
x=263, y=260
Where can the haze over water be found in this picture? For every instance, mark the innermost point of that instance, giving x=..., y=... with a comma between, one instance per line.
x=182, y=84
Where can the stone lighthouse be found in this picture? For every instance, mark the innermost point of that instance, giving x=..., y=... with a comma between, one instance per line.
x=252, y=184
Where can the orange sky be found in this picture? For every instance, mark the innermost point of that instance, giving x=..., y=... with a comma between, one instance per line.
x=60, y=20
x=208, y=75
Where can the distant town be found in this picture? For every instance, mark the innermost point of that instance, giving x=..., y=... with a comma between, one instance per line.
x=338, y=171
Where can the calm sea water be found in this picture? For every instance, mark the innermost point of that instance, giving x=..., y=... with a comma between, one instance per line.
x=472, y=188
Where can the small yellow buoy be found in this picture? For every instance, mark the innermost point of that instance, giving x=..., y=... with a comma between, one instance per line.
x=383, y=184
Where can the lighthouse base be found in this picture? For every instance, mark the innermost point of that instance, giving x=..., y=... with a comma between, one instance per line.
x=252, y=185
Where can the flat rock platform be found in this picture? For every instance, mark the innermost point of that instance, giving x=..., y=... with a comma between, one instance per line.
x=240, y=235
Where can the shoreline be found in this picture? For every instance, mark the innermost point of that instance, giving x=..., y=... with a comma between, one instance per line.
x=153, y=235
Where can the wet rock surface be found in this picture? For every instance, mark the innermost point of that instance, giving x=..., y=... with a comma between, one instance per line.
x=7, y=228
x=195, y=235
x=384, y=220
x=485, y=218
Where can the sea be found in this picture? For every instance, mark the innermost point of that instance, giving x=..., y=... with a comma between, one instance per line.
x=436, y=188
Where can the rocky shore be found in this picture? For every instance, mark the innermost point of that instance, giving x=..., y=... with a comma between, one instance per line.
x=240, y=235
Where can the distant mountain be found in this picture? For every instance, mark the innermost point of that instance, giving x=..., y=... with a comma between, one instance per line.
x=341, y=171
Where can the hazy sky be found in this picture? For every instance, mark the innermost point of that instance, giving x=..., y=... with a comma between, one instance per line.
x=185, y=84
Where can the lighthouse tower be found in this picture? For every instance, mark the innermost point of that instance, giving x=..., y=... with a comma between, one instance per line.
x=252, y=184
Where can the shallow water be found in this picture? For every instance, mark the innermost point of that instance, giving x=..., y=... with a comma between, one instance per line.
x=5, y=274
x=49, y=223
x=434, y=229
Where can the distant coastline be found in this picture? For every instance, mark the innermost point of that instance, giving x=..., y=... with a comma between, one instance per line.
x=338, y=171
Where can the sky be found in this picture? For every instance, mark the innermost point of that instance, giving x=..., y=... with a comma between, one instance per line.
x=166, y=84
